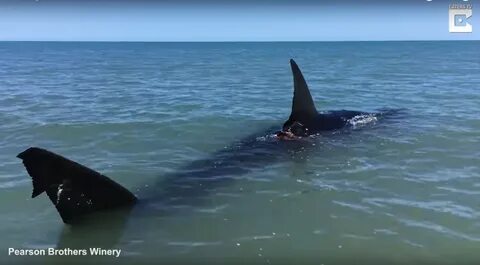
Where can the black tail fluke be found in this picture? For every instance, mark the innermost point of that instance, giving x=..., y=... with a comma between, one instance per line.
x=74, y=189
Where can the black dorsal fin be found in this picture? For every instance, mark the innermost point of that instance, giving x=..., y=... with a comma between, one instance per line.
x=302, y=103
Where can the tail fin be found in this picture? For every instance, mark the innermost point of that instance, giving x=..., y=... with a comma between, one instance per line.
x=302, y=103
x=74, y=189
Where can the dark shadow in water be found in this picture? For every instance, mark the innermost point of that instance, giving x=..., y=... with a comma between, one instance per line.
x=191, y=185
x=102, y=229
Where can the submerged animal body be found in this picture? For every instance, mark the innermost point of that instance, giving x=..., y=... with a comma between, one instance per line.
x=77, y=191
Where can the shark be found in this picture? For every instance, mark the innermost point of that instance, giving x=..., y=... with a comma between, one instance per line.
x=77, y=191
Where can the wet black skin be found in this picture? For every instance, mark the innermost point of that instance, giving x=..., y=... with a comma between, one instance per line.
x=332, y=120
x=76, y=190
x=190, y=185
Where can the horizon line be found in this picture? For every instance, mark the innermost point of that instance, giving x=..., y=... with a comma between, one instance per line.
x=233, y=41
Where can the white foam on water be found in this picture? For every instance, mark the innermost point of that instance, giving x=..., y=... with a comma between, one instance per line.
x=363, y=120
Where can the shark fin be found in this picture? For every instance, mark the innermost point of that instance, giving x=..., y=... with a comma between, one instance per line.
x=302, y=103
x=74, y=189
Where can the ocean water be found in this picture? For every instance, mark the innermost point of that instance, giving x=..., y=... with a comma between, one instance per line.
x=403, y=189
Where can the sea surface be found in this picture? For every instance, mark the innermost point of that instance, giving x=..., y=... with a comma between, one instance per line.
x=403, y=189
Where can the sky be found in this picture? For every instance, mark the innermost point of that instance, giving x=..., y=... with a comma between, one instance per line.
x=228, y=20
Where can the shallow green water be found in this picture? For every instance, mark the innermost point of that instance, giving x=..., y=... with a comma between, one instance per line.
x=404, y=189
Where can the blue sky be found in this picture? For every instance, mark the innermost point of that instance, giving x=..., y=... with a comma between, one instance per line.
x=212, y=20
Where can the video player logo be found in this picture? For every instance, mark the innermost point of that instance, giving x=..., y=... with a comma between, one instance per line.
x=458, y=15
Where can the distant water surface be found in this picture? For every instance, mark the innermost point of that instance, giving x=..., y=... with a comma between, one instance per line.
x=400, y=190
